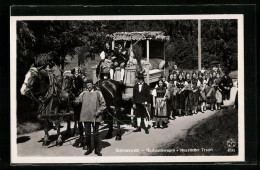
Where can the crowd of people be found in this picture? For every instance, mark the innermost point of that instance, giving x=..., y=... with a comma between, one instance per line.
x=185, y=94
x=181, y=94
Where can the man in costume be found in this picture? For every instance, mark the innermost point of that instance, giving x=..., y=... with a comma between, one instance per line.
x=141, y=100
x=93, y=104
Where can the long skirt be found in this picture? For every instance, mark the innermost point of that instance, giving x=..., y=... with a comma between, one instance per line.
x=203, y=96
x=180, y=100
x=161, y=110
x=188, y=100
x=218, y=96
x=211, y=95
x=195, y=98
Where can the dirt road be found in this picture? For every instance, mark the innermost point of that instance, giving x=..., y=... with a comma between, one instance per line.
x=138, y=143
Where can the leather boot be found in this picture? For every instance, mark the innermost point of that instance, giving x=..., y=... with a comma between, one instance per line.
x=81, y=143
x=78, y=142
x=88, y=148
x=146, y=130
x=97, y=151
x=86, y=144
x=138, y=129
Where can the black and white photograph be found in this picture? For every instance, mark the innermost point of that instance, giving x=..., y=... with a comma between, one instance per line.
x=111, y=89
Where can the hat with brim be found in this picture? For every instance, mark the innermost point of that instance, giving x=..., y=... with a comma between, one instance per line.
x=140, y=76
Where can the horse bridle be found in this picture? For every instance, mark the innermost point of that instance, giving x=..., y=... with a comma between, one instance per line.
x=30, y=89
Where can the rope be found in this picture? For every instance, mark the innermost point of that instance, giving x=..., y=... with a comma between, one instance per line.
x=116, y=118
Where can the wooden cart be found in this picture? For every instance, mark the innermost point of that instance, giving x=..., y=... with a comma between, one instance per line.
x=154, y=48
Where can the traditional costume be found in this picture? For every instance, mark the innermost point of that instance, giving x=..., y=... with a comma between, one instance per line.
x=195, y=84
x=160, y=105
x=180, y=95
x=141, y=98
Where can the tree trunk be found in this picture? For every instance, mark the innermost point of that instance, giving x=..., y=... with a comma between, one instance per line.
x=62, y=63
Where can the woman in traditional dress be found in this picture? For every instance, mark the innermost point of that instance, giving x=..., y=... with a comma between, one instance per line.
x=206, y=75
x=159, y=101
x=188, y=95
x=180, y=95
x=172, y=88
x=195, y=84
x=165, y=83
x=200, y=76
x=203, y=96
x=218, y=92
x=211, y=92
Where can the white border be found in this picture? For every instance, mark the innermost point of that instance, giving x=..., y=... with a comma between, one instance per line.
x=128, y=159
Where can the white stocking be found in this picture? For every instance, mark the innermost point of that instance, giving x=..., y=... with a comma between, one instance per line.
x=122, y=74
x=146, y=122
x=112, y=74
x=138, y=122
x=132, y=113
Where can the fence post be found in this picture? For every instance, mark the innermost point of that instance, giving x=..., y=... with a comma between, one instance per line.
x=199, y=44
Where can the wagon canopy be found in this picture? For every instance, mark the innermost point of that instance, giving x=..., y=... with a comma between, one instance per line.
x=137, y=36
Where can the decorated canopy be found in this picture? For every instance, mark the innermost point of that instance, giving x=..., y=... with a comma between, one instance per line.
x=137, y=36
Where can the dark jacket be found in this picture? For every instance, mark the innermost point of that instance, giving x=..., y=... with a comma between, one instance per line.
x=143, y=95
x=226, y=82
x=77, y=87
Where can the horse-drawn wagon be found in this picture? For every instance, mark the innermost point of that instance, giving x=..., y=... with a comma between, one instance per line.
x=152, y=45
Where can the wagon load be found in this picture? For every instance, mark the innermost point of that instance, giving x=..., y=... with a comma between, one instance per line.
x=148, y=48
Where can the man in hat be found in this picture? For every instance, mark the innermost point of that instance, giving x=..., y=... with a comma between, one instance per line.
x=141, y=99
x=93, y=104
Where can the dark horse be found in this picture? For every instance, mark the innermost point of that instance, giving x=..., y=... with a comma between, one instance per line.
x=43, y=87
x=112, y=91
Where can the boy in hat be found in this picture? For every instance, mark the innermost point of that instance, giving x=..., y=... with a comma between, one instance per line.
x=141, y=99
x=93, y=104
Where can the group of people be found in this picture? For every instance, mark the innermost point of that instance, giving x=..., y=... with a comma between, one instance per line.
x=110, y=59
x=189, y=93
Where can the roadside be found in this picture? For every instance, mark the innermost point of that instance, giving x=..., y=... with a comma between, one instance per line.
x=209, y=137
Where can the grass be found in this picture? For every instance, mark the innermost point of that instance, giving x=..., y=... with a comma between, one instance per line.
x=211, y=133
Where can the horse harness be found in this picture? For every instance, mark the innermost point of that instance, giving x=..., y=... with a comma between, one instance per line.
x=46, y=101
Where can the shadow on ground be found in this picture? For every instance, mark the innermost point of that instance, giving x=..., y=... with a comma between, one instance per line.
x=22, y=139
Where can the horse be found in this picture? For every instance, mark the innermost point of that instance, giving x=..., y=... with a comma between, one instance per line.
x=43, y=87
x=112, y=91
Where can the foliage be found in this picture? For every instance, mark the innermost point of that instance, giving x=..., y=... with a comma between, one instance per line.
x=219, y=39
x=219, y=42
